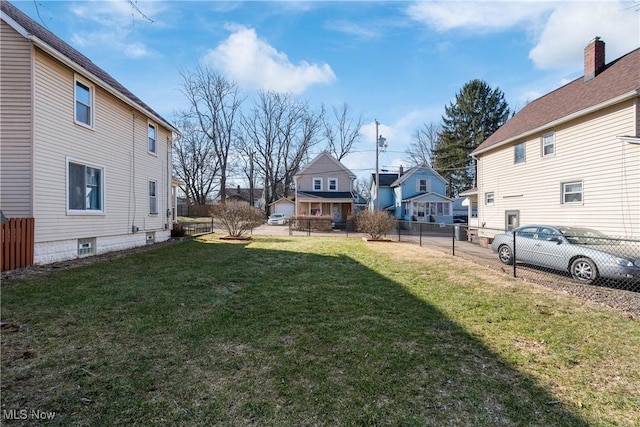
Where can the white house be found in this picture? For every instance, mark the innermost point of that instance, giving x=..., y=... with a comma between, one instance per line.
x=81, y=154
x=571, y=157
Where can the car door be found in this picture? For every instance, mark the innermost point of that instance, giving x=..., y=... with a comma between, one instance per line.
x=525, y=241
x=547, y=252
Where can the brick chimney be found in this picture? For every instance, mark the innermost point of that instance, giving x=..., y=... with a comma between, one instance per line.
x=593, y=58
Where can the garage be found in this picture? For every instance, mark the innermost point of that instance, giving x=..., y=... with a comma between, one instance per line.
x=283, y=206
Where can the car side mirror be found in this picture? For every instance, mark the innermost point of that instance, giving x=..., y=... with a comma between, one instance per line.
x=555, y=239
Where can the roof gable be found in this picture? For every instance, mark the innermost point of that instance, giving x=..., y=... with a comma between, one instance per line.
x=619, y=80
x=419, y=169
x=52, y=44
x=325, y=155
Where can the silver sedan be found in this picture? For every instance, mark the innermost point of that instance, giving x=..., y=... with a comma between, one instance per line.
x=585, y=253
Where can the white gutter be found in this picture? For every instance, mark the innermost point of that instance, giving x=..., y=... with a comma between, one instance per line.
x=629, y=139
x=609, y=103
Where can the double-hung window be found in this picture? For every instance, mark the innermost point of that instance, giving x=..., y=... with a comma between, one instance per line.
x=422, y=185
x=84, y=94
x=489, y=198
x=153, y=197
x=548, y=144
x=152, y=139
x=317, y=184
x=333, y=184
x=518, y=153
x=85, y=188
x=572, y=192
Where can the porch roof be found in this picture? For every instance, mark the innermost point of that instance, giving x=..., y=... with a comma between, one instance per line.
x=428, y=197
x=325, y=196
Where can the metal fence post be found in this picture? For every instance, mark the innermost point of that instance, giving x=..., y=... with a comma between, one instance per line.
x=420, y=228
x=308, y=226
x=453, y=241
x=514, y=254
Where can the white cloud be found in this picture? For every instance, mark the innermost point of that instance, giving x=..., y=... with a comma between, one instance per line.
x=560, y=30
x=362, y=32
x=558, y=48
x=476, y=16
x=254, y=63
x=113, y=23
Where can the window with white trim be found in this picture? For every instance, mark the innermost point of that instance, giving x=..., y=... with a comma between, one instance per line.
x=85, y=190
x=333, y=184
x=572, y=192
x=423, y=185
x=489, y=198
x=153, y=197
x=84, y=102
x=151, y=146
x=518, y=153
x=317, y=184
x=548, y=144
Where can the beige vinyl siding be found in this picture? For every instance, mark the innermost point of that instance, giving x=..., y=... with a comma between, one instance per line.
x=117, y=143
x=15, y=124
x=586, y=150
x=325, y=168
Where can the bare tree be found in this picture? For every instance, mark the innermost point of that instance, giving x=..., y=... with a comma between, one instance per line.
x=424, y=142
x=194, y=161
x=363, y=187
x=279, y=131
x=342, y=134
x=215, y=105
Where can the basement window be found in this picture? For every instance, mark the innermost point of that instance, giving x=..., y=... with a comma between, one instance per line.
x=86, y=247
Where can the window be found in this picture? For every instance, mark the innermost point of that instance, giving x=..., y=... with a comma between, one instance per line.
x=572, y=192
x=86, y=247
x=548, y=144
x=489, y=198
x=153, y=197
x=85, y=188
x=317, y=184
x=333, y=184
x=518, y=153
x=423, y=185
x=84, y=104
x=152, y=139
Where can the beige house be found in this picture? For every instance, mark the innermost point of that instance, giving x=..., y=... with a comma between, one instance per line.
x=79, y=153
x=325, y=188
x=571, y=157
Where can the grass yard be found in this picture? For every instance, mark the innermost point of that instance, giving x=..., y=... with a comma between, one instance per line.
x=310, y=331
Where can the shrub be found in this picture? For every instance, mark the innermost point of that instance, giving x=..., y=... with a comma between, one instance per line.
x=237, y=217
x=374, y=223
x=178, y=230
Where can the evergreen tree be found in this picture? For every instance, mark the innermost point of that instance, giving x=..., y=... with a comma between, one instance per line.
x=478, y=111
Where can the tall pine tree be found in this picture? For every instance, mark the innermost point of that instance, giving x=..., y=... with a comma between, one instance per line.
x=477, y=112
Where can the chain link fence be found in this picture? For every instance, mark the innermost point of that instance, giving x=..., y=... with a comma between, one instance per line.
x=542, y=254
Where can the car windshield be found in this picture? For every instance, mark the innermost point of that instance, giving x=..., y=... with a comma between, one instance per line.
x=585, y=236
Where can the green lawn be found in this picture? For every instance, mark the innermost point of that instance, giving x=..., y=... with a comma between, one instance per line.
x=310, y=331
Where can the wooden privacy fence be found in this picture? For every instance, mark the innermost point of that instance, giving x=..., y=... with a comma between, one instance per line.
x=17, y=243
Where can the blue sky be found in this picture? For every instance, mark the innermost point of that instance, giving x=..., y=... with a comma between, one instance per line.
x=399, y=62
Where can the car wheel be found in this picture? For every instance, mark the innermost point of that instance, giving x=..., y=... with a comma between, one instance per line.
x=505, y=254
x=584, y=270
